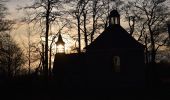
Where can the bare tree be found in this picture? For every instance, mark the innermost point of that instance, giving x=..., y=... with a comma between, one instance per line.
x=96, y=14
x=28, y=55
x=91, y=17
x=77, y=13
x=47, y=12
x=147, y=21
x=5, y=24
x=11, y=56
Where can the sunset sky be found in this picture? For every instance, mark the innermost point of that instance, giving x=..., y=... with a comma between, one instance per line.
x=19, y=33
x=14, y=4
x=108, y=44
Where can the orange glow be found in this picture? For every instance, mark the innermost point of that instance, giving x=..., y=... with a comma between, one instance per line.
x=60, y=48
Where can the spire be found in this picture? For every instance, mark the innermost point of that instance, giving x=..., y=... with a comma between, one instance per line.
x=60, y=40
x=114, y=17
x=60, y=45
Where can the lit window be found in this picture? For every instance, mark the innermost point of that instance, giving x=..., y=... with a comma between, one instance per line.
x=116, y=63
x=115, y=20
x=60, y=48
x=112, y=20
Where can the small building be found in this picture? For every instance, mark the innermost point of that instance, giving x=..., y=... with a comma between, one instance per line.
x=114, y=59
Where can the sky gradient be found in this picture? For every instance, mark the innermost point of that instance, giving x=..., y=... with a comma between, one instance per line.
x=19, y=34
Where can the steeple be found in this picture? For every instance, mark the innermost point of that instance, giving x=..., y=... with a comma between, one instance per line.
x=114, y=18
x=60, y=45
x=60, y=40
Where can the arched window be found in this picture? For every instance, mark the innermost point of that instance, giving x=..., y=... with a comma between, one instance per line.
x=116, y=63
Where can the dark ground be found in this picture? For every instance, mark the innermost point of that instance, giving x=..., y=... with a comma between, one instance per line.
x=35, y=88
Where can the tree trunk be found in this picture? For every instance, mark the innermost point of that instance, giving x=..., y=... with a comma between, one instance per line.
x=93, y=30
x=9, y=59
x=94, y=22
x=50, y=61
x=153, y=52
x=146, y=51
x=79, y=35
x=85, y=30
x=43, y=58
x=46, y=40
x=29, y=55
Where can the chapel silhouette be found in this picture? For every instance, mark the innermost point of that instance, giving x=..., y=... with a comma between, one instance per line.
x=114, y=59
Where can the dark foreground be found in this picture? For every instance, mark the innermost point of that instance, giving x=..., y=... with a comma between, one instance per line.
x=29, y=89
x=33, y=87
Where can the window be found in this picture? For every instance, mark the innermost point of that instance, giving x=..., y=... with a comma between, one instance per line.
x=60, y=48
x=116, y=63
x=115, y=20
x=112, y=20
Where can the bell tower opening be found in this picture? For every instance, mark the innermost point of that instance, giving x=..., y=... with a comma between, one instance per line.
x=114, y=18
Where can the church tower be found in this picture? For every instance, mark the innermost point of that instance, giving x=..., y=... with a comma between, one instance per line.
x=60, y=45
x=114, y=18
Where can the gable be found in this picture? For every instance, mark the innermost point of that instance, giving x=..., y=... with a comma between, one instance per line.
x=114, y=37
